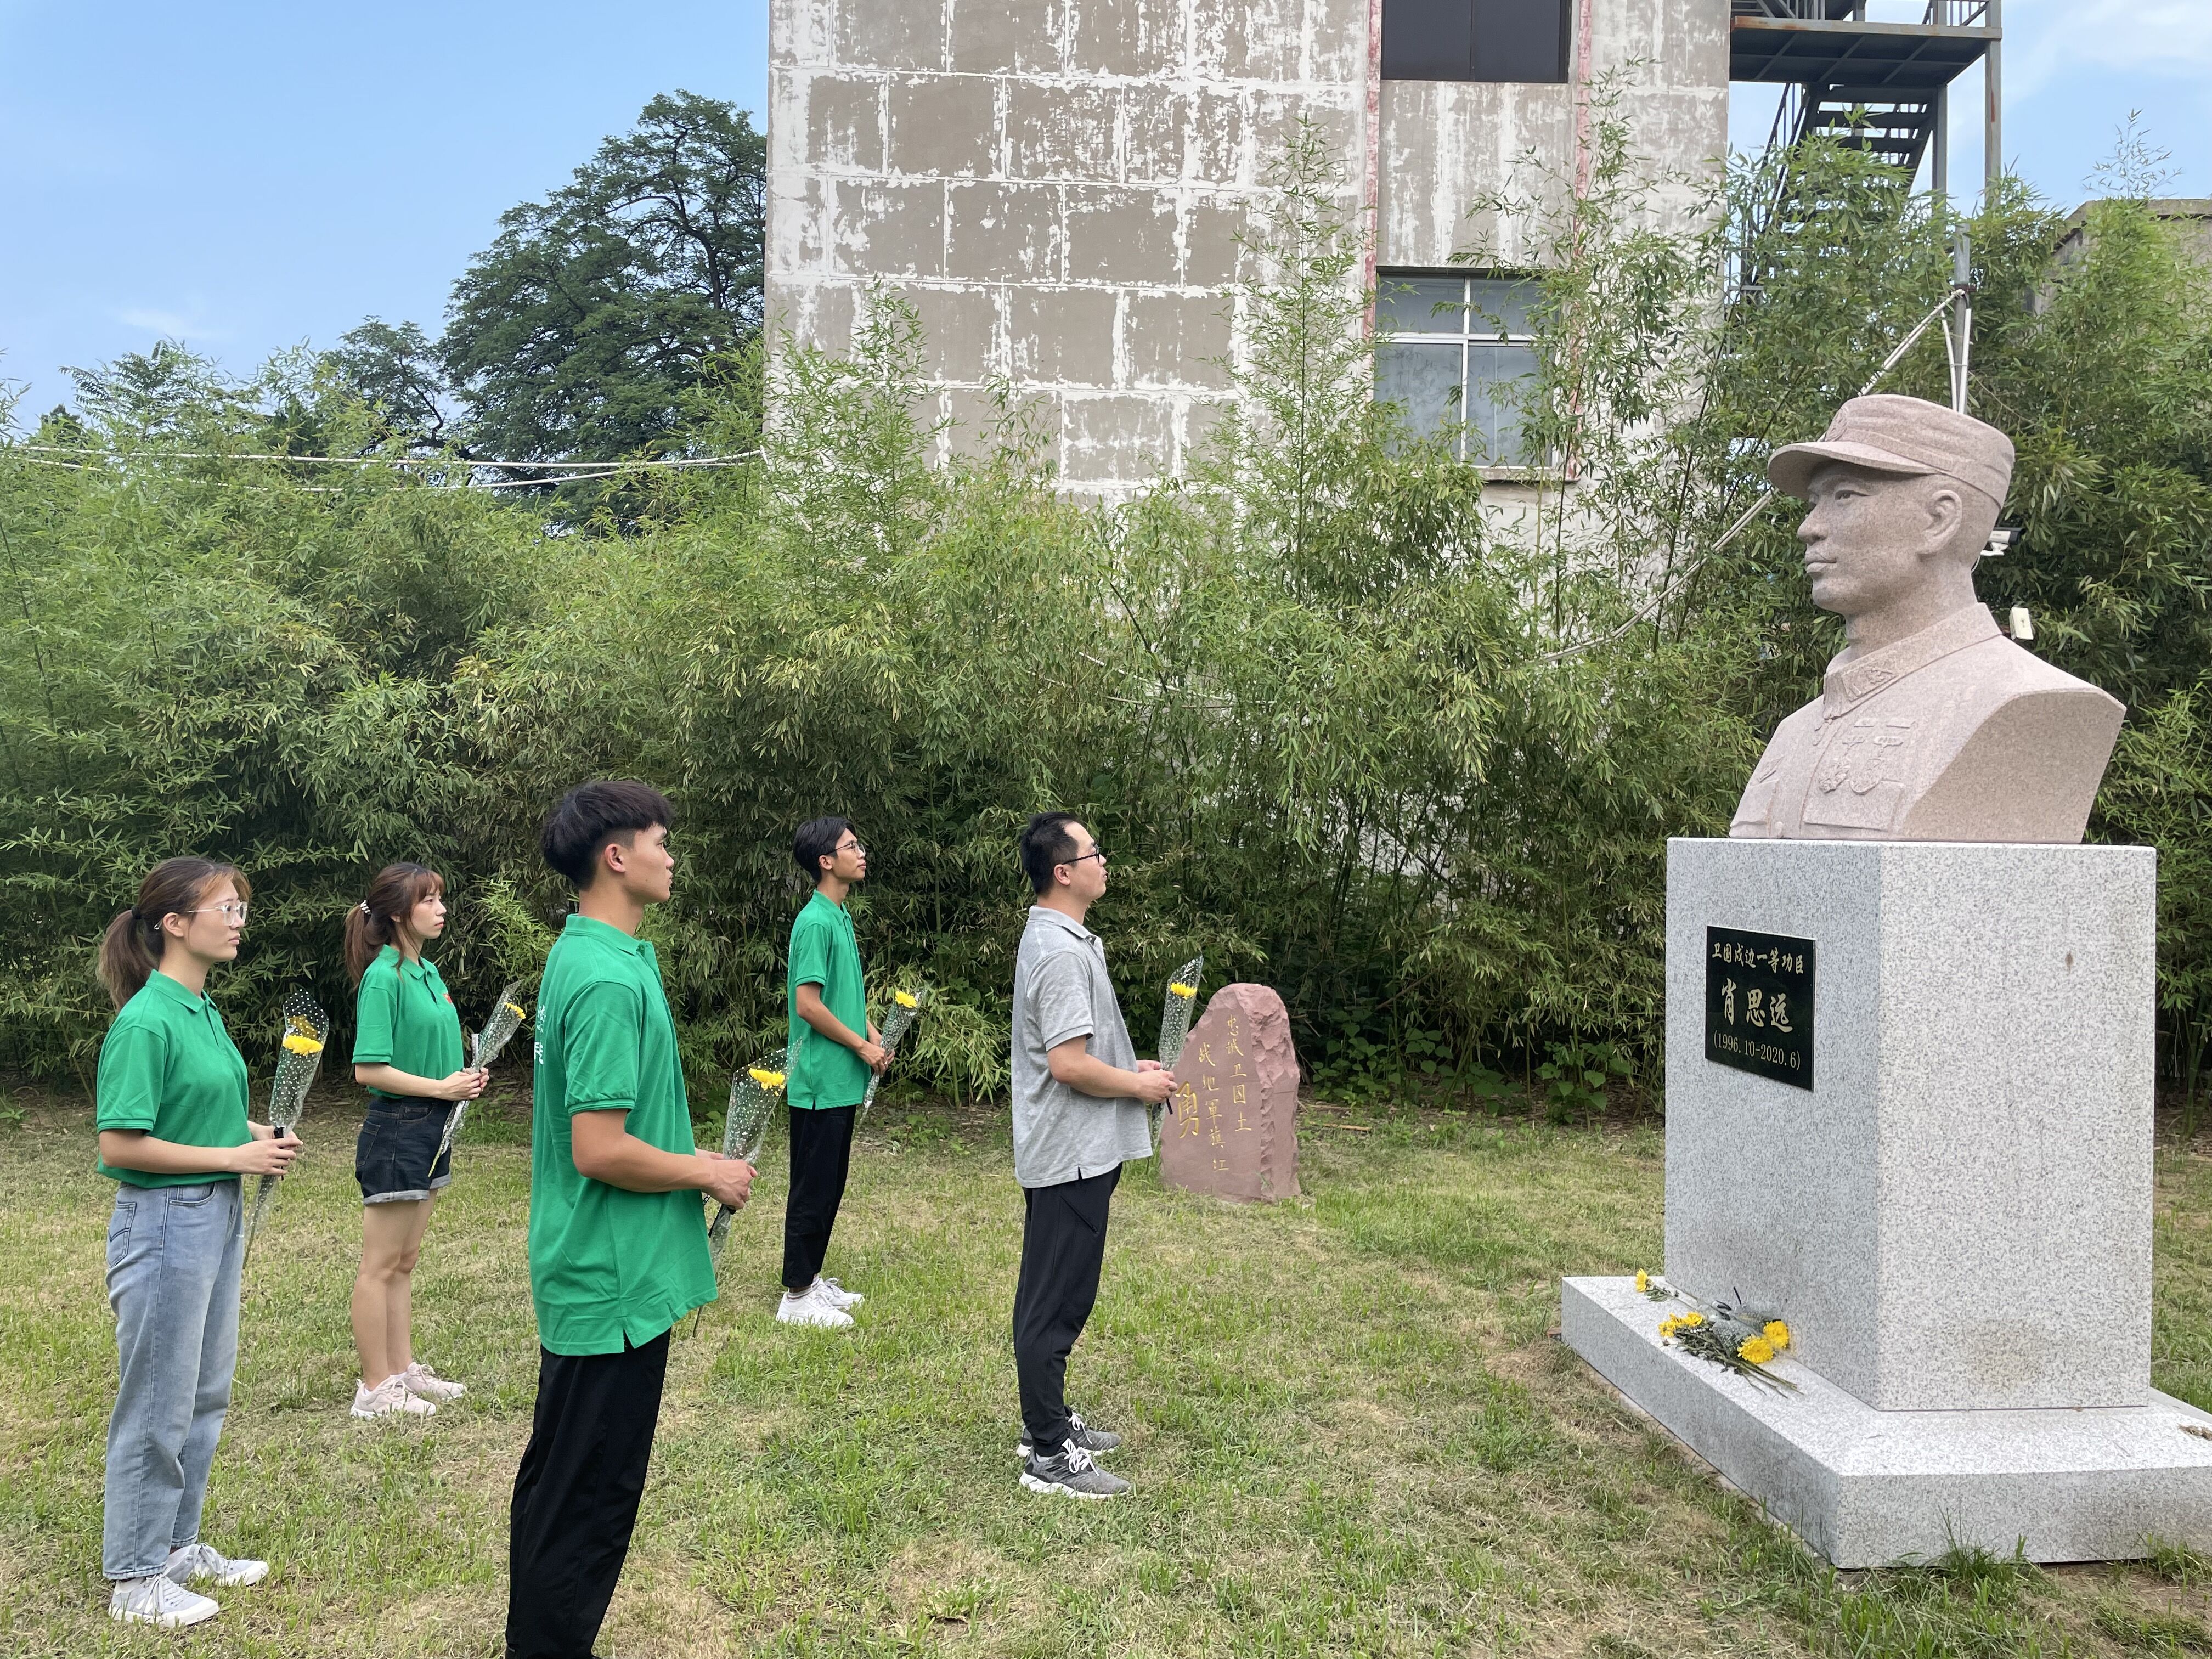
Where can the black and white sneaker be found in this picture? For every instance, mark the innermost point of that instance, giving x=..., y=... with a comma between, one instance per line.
x=1096, y=1442
x=1071, y=1472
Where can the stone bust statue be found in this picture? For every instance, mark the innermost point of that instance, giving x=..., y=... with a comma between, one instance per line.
x=1931, y=726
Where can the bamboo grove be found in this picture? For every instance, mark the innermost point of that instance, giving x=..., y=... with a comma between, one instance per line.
x=1340, y=723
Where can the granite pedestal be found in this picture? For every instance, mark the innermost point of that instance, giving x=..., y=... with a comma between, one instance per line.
x=1955, y=1217
x=1870, y=1488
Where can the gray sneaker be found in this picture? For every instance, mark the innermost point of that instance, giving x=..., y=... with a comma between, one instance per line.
x=159, y=1600
x=193, y=1563
x=1070, y=1472
x=1096, y=1442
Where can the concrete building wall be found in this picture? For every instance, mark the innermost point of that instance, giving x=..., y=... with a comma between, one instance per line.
x=1446, y=143
x=1058, y=185
x=2189, y=216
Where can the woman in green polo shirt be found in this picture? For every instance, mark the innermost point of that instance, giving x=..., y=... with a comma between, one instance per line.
x=174, y=1137
x=407, y=1051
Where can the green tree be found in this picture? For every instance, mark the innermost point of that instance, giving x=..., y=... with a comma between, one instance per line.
x=1410, y=759
x=145, y=394
x=396, y=372
x=580, y=331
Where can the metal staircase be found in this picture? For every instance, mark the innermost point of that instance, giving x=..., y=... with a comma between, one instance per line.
x=1878, y=85
x=1872, y=84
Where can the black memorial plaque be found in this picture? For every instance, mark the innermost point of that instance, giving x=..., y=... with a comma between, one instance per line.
x=1759, y=1004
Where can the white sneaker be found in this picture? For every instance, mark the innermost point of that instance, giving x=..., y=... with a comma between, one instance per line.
x=809, y=1307
x=836, y=1294
x=193, y=1562
x=160, y=1601
x=425, y=1384
x=389, y=1398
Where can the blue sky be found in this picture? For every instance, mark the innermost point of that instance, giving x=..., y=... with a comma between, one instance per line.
x=2074, y=69
x=249, y=176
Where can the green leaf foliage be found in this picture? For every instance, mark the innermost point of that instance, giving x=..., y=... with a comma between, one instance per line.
x=578, y=332
x=1405, y=743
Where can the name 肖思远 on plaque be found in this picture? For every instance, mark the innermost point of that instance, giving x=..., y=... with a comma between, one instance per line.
x=1759, y=1004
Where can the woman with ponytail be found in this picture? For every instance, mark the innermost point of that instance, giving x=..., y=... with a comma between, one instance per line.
x=407, y=1051
x=173, y=1135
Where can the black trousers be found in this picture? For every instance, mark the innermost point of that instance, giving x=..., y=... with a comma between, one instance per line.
x=576, y=1494
x=1063, y=1247
x=821, y=1157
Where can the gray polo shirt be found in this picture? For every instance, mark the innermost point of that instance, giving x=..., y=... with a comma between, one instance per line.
x=1061, y=991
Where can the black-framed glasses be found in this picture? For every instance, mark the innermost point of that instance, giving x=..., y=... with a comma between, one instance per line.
x=1098, y=852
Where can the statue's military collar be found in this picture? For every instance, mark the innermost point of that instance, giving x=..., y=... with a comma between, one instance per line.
x=1852, y=679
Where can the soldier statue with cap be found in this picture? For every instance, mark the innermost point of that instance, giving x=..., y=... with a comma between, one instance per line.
x=1931, y=726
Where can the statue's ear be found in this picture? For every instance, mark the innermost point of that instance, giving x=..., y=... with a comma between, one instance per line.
x=1946, y=514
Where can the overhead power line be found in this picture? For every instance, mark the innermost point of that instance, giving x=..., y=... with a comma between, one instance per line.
x=562, y=472
x=448, y=462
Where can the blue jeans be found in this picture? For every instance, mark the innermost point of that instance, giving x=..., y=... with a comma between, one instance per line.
x=172, y=1263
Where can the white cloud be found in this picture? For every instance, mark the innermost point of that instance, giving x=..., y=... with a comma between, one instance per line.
x=2045, y=39
x=167, y=324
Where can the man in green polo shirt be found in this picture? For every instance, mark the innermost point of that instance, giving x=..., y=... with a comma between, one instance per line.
x=833, y=1049
x=618, y=1240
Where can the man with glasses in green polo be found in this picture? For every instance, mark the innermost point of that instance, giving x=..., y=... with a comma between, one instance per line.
x=833, y=1049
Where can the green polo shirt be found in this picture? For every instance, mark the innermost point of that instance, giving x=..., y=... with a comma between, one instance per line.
x=170, y=1068
x=404, y=1018
x=607, y=1264
x=825, y=952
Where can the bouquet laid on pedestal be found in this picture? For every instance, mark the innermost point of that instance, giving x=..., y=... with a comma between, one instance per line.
x=299, y=1057
x=1737, y=1338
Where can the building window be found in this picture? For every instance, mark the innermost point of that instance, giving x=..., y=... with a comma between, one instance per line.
x=1451, y=348
x=1474, y=39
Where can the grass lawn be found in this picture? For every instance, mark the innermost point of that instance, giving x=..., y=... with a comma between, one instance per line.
x=1350, y=1430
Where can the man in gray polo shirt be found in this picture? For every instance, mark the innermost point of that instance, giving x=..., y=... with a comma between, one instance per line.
x=1079, y=1098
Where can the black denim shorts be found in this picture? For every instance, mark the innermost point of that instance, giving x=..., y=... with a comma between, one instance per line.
x=398, y=1138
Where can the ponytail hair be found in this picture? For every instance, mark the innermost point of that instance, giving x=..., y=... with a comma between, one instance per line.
x=132, y=949
x=379, y=920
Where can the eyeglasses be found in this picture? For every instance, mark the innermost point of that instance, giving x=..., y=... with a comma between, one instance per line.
x=850, y=846
x=233, y=912
x=1098, y=852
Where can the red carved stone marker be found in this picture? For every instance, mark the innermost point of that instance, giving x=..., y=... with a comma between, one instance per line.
x=1231, y=1127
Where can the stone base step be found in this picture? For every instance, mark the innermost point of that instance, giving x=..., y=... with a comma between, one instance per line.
x=1870, y=1488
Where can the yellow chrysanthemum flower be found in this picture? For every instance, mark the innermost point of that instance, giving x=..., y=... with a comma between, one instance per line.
x=1184, y=991
x=1643, y=1279
x=1756, y=1349
x=1669, y=1325
x=514, y=1008
x=906, y=999
x=766, y=1079
x=1778, y=1334
x=1692, y=1318
x=302, y=1045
